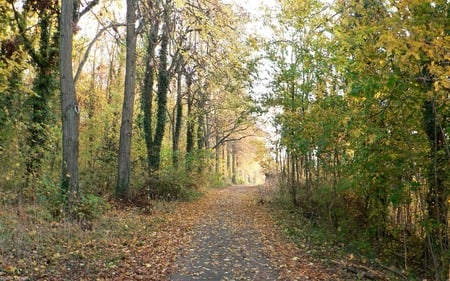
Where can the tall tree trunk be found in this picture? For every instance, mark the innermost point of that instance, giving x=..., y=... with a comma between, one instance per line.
x=233, y=163
x=178, y=118
x=217, y=159
x=147, y=90
x=201, y=132
x=124, y=159
x=200, y=156
x=190, y=124
x=163, y=88
x=228, y=169
x=292, y=182
x=69, y=109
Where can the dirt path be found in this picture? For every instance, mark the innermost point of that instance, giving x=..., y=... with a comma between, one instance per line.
x=233, y=238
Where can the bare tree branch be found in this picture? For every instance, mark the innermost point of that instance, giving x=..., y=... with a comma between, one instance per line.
x=91, y=44
x=89, y=7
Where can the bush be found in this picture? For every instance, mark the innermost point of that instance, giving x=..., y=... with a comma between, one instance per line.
x=50, y=197
x=90, y=207
x=171, y=185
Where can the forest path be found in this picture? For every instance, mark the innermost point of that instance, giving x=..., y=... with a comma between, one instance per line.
x=224, y=235
x=234, y=238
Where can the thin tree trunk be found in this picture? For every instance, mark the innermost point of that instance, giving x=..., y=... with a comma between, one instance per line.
x=228, y=169
x=201, y=124
x=233, y=164
x=178, y=119
x=190, y=123
x=201, y=132
x=217, y=158
x=111, y=76
x=292, y=177
x=438, y=240
x=124, y=165
x=200, y=142
x=69, y=109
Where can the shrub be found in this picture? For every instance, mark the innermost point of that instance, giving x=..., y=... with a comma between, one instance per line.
x=90, y=207
x=172, y=185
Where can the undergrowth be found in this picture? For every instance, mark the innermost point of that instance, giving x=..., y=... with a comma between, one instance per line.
x=175, y=185
x=321, y=240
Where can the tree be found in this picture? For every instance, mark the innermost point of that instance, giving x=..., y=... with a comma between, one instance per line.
x=69, y=107
x=164, y=77
x=70, y=110
x=149, y=77
x=124, y=158
x=36, y=23
x=178, y=116
x=349, y=82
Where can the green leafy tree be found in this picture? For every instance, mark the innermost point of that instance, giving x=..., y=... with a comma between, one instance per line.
x=36, y=23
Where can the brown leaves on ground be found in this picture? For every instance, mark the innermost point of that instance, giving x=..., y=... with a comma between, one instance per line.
x=127, y=244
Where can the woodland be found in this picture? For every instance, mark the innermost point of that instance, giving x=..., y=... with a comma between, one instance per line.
x=115, y=113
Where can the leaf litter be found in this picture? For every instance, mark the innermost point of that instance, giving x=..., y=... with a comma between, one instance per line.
x=224, y=235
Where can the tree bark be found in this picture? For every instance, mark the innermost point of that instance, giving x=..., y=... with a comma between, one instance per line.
x=178, y=119
x=124, y=165
x=190, y=124
x=147, y=90
x=217, y=151
x=229, y=171
x=69, y=109
x=163, y=88
x=201, y=119
x=233, y=164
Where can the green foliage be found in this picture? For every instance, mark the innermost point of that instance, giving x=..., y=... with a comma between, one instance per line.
x=357, y=110
x=50, y=197
x=216, y=181
x=90, y=207
x=172, y=185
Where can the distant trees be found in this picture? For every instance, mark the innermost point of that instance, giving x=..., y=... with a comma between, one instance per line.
x=188, y=56
x=360, y=88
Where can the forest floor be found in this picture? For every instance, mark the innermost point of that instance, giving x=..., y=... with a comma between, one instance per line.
x=227, y=234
